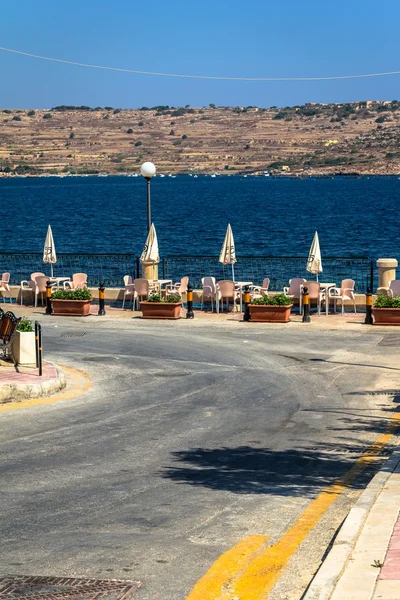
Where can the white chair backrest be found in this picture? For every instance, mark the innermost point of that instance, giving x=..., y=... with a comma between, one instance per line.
x=394, y=285
x=209, y=283
x=226, y=288
x=34, y=275
x=79, y=280
x=295, y=285
x=141, y=287
x=265, y=284
x=348, y=285
x=5, y=278
x=127, y=279
x=183, y=285
x=41, y=282
x=314, y=289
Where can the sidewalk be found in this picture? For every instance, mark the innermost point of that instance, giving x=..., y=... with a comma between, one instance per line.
x=364, y=561
x=27, y=383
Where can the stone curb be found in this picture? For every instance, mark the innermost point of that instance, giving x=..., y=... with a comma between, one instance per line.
x=24, y=391
x=323, y=584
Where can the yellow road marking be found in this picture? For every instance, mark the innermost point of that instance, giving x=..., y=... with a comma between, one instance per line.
x=264, y=567
x=81, y=383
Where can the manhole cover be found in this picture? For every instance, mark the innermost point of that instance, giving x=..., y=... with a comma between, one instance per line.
x=390, y=340
x=66, y=588
x=170, y=373
x=73, y=334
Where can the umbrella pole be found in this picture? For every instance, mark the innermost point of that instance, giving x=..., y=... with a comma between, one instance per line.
x=51, y=269
x=233, y=272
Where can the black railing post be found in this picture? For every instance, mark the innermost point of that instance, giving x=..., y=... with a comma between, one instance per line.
x=48, y=299
x=189, y=299
x=306, y=306
x=246, y=302
x=101, y=299
x=37, y=343
x=38, y=347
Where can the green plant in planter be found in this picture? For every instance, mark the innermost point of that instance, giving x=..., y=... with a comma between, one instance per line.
x=158, y=298
x=278, y=300
x=25, y=326
x=387, y=302
x=79, y=294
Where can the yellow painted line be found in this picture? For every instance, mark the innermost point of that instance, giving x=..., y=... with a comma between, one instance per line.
x=78, y=383
x=256, y=580
x=234, y=560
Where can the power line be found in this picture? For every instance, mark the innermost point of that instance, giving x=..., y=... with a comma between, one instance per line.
x=180, y=76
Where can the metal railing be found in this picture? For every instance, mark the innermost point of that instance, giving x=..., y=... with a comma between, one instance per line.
x=111, y=268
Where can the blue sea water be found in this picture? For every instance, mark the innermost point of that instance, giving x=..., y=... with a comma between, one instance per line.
x=269, y=216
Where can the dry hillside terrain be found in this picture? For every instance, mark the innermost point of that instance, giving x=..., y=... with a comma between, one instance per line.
x=361, y=137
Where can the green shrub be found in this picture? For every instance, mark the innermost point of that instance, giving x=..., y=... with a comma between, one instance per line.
x=154, y=297
x=31, y=113
x=278, y=300
x=79, y=294
x=25, y=325
x=387, y=302
x=47, y=116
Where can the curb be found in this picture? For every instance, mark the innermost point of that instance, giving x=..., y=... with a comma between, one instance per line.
x=24, y=391
x=323, y=584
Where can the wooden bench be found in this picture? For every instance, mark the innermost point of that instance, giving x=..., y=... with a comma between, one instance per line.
x=8, y=327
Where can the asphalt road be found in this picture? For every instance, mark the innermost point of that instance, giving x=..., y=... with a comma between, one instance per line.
x=191, y=438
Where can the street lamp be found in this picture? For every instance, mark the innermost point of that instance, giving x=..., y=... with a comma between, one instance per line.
x=148, y=170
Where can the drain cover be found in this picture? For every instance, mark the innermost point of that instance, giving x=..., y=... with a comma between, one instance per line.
x=73, y=334
x=66, y=588
x=390, y=340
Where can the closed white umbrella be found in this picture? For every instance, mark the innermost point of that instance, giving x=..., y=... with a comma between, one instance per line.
x=150, y=254
x=314, y=263
x=228, y=255
x=49, y=252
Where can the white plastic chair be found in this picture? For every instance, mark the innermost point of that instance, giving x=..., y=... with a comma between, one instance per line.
x=30, y=286
x=4, y=285
x=79, y=281
x=257, y=291
x=226, y=289
x=129, y=289
x=178, y=288
x=294, y=289
x=209, y=291
x=394, y=288
x=345, y=292
x=142, y=290
x=314, y=293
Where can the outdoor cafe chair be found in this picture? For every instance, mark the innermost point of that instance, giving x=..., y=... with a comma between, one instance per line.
x=79, y=281
x=257, y=291
x=30, y=286
x=345, y=292
x=314, y=293
x=142, y=290
x=226, y=289
x=394, y=288
x=209, y=291
x=294, y=289
x=178, y=288
x=4, y=285
x=129, y=289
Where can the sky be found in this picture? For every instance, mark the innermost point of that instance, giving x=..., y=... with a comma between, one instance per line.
x=259, y=38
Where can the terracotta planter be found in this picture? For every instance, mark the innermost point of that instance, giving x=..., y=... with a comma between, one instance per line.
x=71, y=308
x=263, y=313
x=386, y=316
x=161, y=310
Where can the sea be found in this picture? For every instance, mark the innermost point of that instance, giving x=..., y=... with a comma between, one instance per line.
x=270, y=216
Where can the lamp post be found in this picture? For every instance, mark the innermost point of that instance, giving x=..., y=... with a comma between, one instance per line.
x=148, y=170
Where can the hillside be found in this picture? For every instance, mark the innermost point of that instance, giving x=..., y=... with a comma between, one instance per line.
x=361, y=137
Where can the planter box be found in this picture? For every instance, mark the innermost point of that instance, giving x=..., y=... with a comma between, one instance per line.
x=161, y=310
x=260, y=313
x=74, y=308
x=24, y=347
x=386, y=316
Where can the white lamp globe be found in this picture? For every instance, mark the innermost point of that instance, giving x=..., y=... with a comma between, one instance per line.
x=148, y=169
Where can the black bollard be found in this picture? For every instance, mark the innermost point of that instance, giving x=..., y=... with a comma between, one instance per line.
x=368, y=308
x=306, y=306
x=49, y=309
x=189, y=296
x=246, y=302
x=101, y=300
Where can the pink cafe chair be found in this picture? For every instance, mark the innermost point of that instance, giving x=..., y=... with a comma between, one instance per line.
x=257, y=291
x=226, y=289
x=209, y=291
x=79, y=281
x=394, y=288
x=4, y=285
x=178, y=288
x=142, y=290
x=314, y=293
x=294, y=289
x=345, y=292
x=129, y=289
x=30, y=286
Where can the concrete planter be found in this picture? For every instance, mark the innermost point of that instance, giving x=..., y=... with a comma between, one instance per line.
x=71, y=308
x=24, y=347
x=386, y=316
x=161, y=310
x=264, y=313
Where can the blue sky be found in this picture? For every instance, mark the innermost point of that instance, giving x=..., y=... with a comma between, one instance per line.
x=258, y=38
